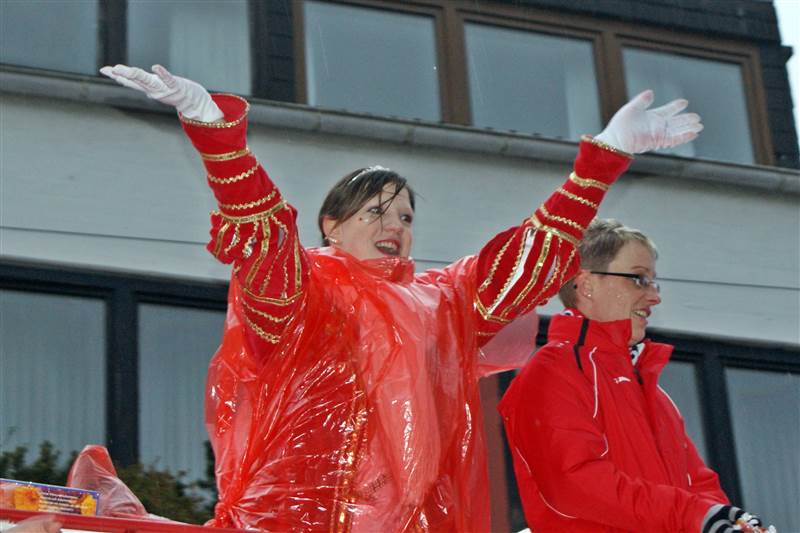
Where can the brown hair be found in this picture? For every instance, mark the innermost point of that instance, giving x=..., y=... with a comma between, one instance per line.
x=355, y=189
x=601, y=242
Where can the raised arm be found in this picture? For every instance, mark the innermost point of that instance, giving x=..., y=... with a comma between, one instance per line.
x=526, y=265
x=254, y=228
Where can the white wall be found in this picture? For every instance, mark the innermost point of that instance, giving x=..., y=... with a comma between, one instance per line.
x=94, y=185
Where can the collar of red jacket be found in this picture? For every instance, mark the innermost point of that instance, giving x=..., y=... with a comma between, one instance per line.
x=395, y=269
x=608, y=336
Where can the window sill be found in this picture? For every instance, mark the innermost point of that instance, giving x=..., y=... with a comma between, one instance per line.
x=417, y=133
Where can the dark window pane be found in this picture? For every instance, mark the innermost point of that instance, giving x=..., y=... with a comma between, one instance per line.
x=49, y=34
x=726, y=136
x=372, y=61
x=52, y=371
x=207, y=41
x=679, y=380
x=765, y=408
x=175, y=345
x=531, y=82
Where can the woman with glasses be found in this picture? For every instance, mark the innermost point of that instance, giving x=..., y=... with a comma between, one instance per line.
x=598, y=446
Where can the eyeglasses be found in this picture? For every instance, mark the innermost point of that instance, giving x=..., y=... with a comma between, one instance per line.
x=641, y=281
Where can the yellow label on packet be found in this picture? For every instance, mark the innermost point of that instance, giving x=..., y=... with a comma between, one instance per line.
x=27, y=496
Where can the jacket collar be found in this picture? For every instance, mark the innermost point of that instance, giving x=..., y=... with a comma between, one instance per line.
x=394, y=269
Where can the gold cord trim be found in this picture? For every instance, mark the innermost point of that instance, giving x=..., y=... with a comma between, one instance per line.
x=488, y=316
x=226, y=156
x=548, y=229
x=255, y=216
x=563, y=220
x=274, y=301
x=250, y=205
x=233, y=179
x=585, y=182
x=507, y=283
x=605, y=146
x=268, y=316
x=218, y=125
x=262, y=253
x=534, y=277
x=579, y=199
x=219, y=239
x=269, y=337
x=495, y=264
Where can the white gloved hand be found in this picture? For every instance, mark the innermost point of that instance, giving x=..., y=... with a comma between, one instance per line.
x=190, y=98
x=636, y=129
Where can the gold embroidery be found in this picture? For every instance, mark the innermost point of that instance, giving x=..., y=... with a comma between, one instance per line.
x=220, y=235
x=563, y=220
x=269, y=337
x=341, y=517
x=234, y=239
x=252, y=218
x=268, y=316
x=558, y=272
x=274, y=301
x=585, y=182
x=534, y=277
x=486, y=334
x=233, y=179
x=495, y=264
x=265, y=230
x=513, y=270
x=230, y=124
x=298, y=274
x=558, y=233
x=577, y=198
x=226, y=156
x=591, y=140
x=488, y=316
x=250, y=205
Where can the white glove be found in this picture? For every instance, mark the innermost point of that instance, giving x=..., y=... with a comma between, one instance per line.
x=635, y=129
x=189, y=98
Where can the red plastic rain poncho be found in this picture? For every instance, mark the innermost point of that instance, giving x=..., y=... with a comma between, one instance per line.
x=345, y=396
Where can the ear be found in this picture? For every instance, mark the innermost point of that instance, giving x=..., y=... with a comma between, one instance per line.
x=585, y=284
x=330, y=227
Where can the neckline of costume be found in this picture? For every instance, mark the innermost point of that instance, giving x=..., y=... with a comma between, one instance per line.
x=394, y=269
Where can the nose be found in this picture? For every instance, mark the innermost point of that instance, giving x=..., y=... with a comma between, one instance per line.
x=653, y=297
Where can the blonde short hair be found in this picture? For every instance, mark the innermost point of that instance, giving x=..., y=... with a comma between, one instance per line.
x=601, y=242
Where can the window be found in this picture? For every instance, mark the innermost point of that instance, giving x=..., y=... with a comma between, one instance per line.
x=531, y=82
x=369, y=60
x=766, y=431
x=52, y=371
x=208, y=41
x=50, y=35
x=679, y=380
x=175, y=346
x=715, y=89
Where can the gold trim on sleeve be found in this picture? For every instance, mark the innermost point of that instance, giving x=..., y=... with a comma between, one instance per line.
x=226, y=156
x=585, y=182
x=255, y=216
x=495, y=264
x=274, y=301
x=605, y=146
x=579, y=199
x=563, y=220
x=233, y=179
x=548, y=229
x=268, y=316
x=250, y=205
x=218, y=125
x=534, y=277
x=269, y=337
x=266, y=234
x=488, y=316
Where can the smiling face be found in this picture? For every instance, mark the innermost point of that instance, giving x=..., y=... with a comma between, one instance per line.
x=606, y=298
x=382, y=227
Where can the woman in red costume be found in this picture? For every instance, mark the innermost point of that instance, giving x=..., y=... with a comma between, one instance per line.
x=344, y=396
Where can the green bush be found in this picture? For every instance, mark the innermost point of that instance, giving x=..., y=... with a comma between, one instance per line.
x=162, y=493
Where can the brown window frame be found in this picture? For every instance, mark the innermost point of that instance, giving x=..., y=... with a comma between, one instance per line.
x=608, y=37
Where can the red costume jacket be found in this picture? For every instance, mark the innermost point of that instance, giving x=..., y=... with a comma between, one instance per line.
x=598, y=446
x=345, y=393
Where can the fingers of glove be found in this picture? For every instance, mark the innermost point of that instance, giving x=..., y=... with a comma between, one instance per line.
x=125, y=82
x=672, y=108
x=641, y=101
x=148, y=82
x=166, y=76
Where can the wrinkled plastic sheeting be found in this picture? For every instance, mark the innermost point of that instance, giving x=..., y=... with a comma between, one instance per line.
x=366, y=416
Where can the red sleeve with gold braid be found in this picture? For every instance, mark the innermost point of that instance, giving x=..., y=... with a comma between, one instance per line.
x=526, y=265
x=254, y=227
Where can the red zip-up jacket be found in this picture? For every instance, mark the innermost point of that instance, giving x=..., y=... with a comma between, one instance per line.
x=598, y=446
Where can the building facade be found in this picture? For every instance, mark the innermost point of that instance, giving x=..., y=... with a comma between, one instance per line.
x=111, y=307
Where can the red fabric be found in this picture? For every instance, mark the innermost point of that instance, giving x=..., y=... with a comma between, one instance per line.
x=344, y=395
x=594, y=449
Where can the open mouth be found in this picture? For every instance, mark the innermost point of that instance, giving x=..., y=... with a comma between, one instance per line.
x=388, y=247
x=641, y=313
